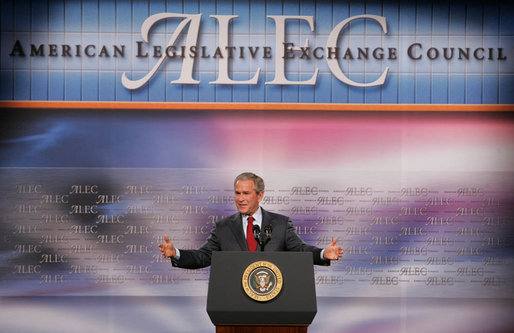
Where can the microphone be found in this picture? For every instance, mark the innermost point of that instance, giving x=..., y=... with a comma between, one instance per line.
x=256, y=233
x=267, y=230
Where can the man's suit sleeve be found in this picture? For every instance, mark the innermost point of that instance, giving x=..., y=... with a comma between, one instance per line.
x=295, y=243
x=201, y=257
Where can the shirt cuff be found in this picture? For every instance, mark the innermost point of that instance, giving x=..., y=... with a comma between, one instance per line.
x=176, y=258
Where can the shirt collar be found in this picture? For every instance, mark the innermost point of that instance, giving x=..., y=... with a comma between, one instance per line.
x=257, y=215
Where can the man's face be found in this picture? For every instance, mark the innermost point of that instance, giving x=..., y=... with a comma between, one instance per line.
x=247, y=200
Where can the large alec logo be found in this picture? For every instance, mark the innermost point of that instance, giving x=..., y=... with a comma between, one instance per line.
x=191, y=52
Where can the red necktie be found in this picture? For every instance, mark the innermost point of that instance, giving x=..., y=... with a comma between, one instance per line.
x=250, y=239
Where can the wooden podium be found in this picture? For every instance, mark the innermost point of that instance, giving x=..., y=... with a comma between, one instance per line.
x=232, y=310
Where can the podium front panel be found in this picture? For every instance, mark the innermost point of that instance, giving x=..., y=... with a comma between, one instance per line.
x=228, y=303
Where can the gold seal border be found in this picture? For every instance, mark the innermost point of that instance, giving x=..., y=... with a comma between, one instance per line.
x=254, y=266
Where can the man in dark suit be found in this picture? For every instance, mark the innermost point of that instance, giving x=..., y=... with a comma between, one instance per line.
x=235, y=233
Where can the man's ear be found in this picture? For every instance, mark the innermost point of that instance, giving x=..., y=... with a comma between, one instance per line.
x=260, y=196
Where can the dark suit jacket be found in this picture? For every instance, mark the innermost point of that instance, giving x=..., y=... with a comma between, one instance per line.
x=228, y=235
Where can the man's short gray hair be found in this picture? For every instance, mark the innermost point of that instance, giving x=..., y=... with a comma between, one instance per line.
x=258, y=182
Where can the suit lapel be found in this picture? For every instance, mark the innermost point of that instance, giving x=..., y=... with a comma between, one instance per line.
x=237, y=229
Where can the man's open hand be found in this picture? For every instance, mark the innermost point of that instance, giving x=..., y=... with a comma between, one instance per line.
x=167, y=248
x=332, y=251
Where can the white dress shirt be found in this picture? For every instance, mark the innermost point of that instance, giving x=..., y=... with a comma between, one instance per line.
x=258, y=219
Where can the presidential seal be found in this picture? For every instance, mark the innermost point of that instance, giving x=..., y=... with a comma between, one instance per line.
x=262, y=281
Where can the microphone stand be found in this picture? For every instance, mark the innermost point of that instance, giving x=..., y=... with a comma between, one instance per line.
x=262, y=241
x=267, y=232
